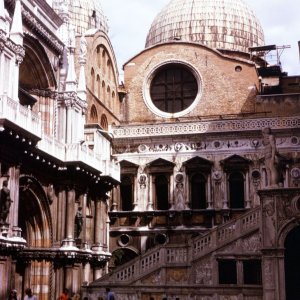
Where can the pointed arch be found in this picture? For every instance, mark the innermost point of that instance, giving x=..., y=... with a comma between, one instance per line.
x=103, y=122
x=94, y=114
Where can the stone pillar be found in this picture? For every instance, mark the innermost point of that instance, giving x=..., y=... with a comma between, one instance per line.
x=13, y=184
x=150, y=196
x=97, y=227
x=70, y=213
x=247, y=192
x=69, y=277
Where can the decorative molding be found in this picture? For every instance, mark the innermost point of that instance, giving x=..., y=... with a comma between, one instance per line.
x=172, y=129
x=40, y=29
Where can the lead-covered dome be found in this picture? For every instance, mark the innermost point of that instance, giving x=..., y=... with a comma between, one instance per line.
x=84, y=14
x=219, y=24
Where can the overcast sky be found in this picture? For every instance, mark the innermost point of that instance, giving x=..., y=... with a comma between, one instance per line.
x=130, y=20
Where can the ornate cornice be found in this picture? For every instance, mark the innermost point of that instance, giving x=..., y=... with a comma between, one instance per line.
x=201, y=127
x=52, y=40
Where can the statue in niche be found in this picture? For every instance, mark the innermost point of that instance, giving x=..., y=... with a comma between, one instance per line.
x=78, y=222
x=179, y=193
x=5, y=202
x=179, y=197
x=272, y=158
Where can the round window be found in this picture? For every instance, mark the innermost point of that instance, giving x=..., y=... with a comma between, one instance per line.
x=173, y=89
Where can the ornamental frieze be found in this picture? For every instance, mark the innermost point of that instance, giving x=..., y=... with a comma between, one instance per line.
x=136, y=131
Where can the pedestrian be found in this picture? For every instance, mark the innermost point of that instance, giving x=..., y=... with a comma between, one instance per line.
x=64, y=295
x=29, y=295
x=109, y=294
x=76, y=296
x=13, y=295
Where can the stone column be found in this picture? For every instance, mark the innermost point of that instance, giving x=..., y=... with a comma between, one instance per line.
x=70, y=213
x=13, y=184
x=69, y=277
x=150, y=196
x=247, y=192
x=97, y=227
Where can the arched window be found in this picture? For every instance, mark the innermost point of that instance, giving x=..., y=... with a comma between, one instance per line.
x=93, y=80
x=198, y=191
x=98, y=86
x=98, y=49
x=103, y=92
x=94, y=114
x=126, y=189
x=236, y=190
x=104, y=123
x=162, y=192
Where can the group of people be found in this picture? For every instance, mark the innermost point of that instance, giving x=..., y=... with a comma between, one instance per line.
x=109, y=295
x=28, y=295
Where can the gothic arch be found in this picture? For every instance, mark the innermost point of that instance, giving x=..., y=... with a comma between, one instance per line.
x=104, y=122
x=35, y=219
x=94, y=114
x=291, y=223
x=36, y=70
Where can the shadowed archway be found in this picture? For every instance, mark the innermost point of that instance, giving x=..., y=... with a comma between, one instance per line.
x=292, y=264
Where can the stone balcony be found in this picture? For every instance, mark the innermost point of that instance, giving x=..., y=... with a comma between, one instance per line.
x=22, y=119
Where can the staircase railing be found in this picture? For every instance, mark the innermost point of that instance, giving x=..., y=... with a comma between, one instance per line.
x=183, y=254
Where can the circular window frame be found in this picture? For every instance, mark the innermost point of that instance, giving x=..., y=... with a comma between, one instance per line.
x=147, y=84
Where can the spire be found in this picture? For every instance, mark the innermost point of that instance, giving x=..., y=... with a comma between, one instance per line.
x=71, y=76
x=16, y=32
x=82, y=61
x=2, y=16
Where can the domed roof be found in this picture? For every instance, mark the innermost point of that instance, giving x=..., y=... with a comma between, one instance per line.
x=84, y=14
x=219, y=24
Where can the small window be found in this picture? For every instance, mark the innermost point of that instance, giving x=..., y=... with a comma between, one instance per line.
x=104, y=123
x=94, y=114
x=126, y=189
x=236, y=190
x=162, y=192
x=252, y=271
x=227, y=271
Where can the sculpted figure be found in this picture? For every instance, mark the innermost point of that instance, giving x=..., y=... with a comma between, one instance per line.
x=78, y=222
x=179, y=197
x=83, y=47
x=271, y=158
x=5, y=202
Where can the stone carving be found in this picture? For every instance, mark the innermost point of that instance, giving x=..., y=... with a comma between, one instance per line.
x=143, y=181
x=83, y=47
x=295, y=174
x=204, y=273
x=271, y=157
x=5, y=202
x=251, y=244
x=176, y=275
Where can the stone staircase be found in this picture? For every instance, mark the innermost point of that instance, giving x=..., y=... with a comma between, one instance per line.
x=152, y=267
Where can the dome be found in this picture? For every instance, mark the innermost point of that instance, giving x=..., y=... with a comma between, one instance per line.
x=219, y=24
x=84, y=14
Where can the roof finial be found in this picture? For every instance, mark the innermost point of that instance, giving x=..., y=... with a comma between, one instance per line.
x=16, y=32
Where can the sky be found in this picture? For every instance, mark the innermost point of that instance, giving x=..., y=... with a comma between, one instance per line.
x=130, y=20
